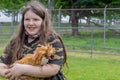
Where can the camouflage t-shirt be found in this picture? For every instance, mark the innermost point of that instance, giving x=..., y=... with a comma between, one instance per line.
x=28, y=48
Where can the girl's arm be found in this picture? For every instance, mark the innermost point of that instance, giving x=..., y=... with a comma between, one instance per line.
x=43, y=71
x=3, y=65
x=35, y=71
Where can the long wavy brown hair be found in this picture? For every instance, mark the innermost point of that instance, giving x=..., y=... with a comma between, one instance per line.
x=45, y=31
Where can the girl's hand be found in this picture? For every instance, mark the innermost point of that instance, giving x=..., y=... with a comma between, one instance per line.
x=21, y=78
x=14, y=71
x=2, y=72
x=3, y=69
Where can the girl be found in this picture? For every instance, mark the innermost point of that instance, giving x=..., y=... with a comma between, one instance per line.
x=34, y=29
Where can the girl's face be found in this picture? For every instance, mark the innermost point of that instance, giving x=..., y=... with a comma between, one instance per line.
x=32, y=22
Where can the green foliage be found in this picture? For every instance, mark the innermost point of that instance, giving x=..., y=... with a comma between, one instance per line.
x=115, y=4
x=75, y=15
x=85, y=3
x=12, y=4
x=88, y=4
x=63, y=3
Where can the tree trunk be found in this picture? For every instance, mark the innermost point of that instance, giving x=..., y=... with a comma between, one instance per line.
x=74, y=18
x=74, y=23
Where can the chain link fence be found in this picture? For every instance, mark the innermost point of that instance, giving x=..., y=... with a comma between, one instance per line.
x=98, y=28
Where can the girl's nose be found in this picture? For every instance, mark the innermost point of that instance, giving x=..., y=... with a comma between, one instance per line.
x=31, y=22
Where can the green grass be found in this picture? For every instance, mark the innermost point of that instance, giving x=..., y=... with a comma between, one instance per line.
x=86, y=68
x=3, y=79
x=99, y=67
x=85, y=42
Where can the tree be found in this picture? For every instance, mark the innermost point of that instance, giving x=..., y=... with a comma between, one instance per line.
x=12, y=7
x=75, y=15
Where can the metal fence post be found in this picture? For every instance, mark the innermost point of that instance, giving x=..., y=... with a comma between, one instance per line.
x=59, y=19
x=91, y=43
x=0, y=28
x=12, y=25
x=105, y=26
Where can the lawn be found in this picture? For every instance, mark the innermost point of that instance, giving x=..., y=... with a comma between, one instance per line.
x=100, y=67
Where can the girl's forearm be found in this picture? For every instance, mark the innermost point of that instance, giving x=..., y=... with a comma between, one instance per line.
x=41, y=71
x=2, y=72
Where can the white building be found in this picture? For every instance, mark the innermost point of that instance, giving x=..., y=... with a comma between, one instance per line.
x=4, y=18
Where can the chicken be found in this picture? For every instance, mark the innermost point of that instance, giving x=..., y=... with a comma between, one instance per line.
x=35, y=59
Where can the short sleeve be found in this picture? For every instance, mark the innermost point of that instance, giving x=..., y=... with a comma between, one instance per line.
x=58, y=57
x=6, y=57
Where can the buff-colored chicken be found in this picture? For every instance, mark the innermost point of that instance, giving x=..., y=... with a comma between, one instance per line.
x=36, y=58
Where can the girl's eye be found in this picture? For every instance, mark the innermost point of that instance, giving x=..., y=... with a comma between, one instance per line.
x=36, y=19
x=27, y=19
